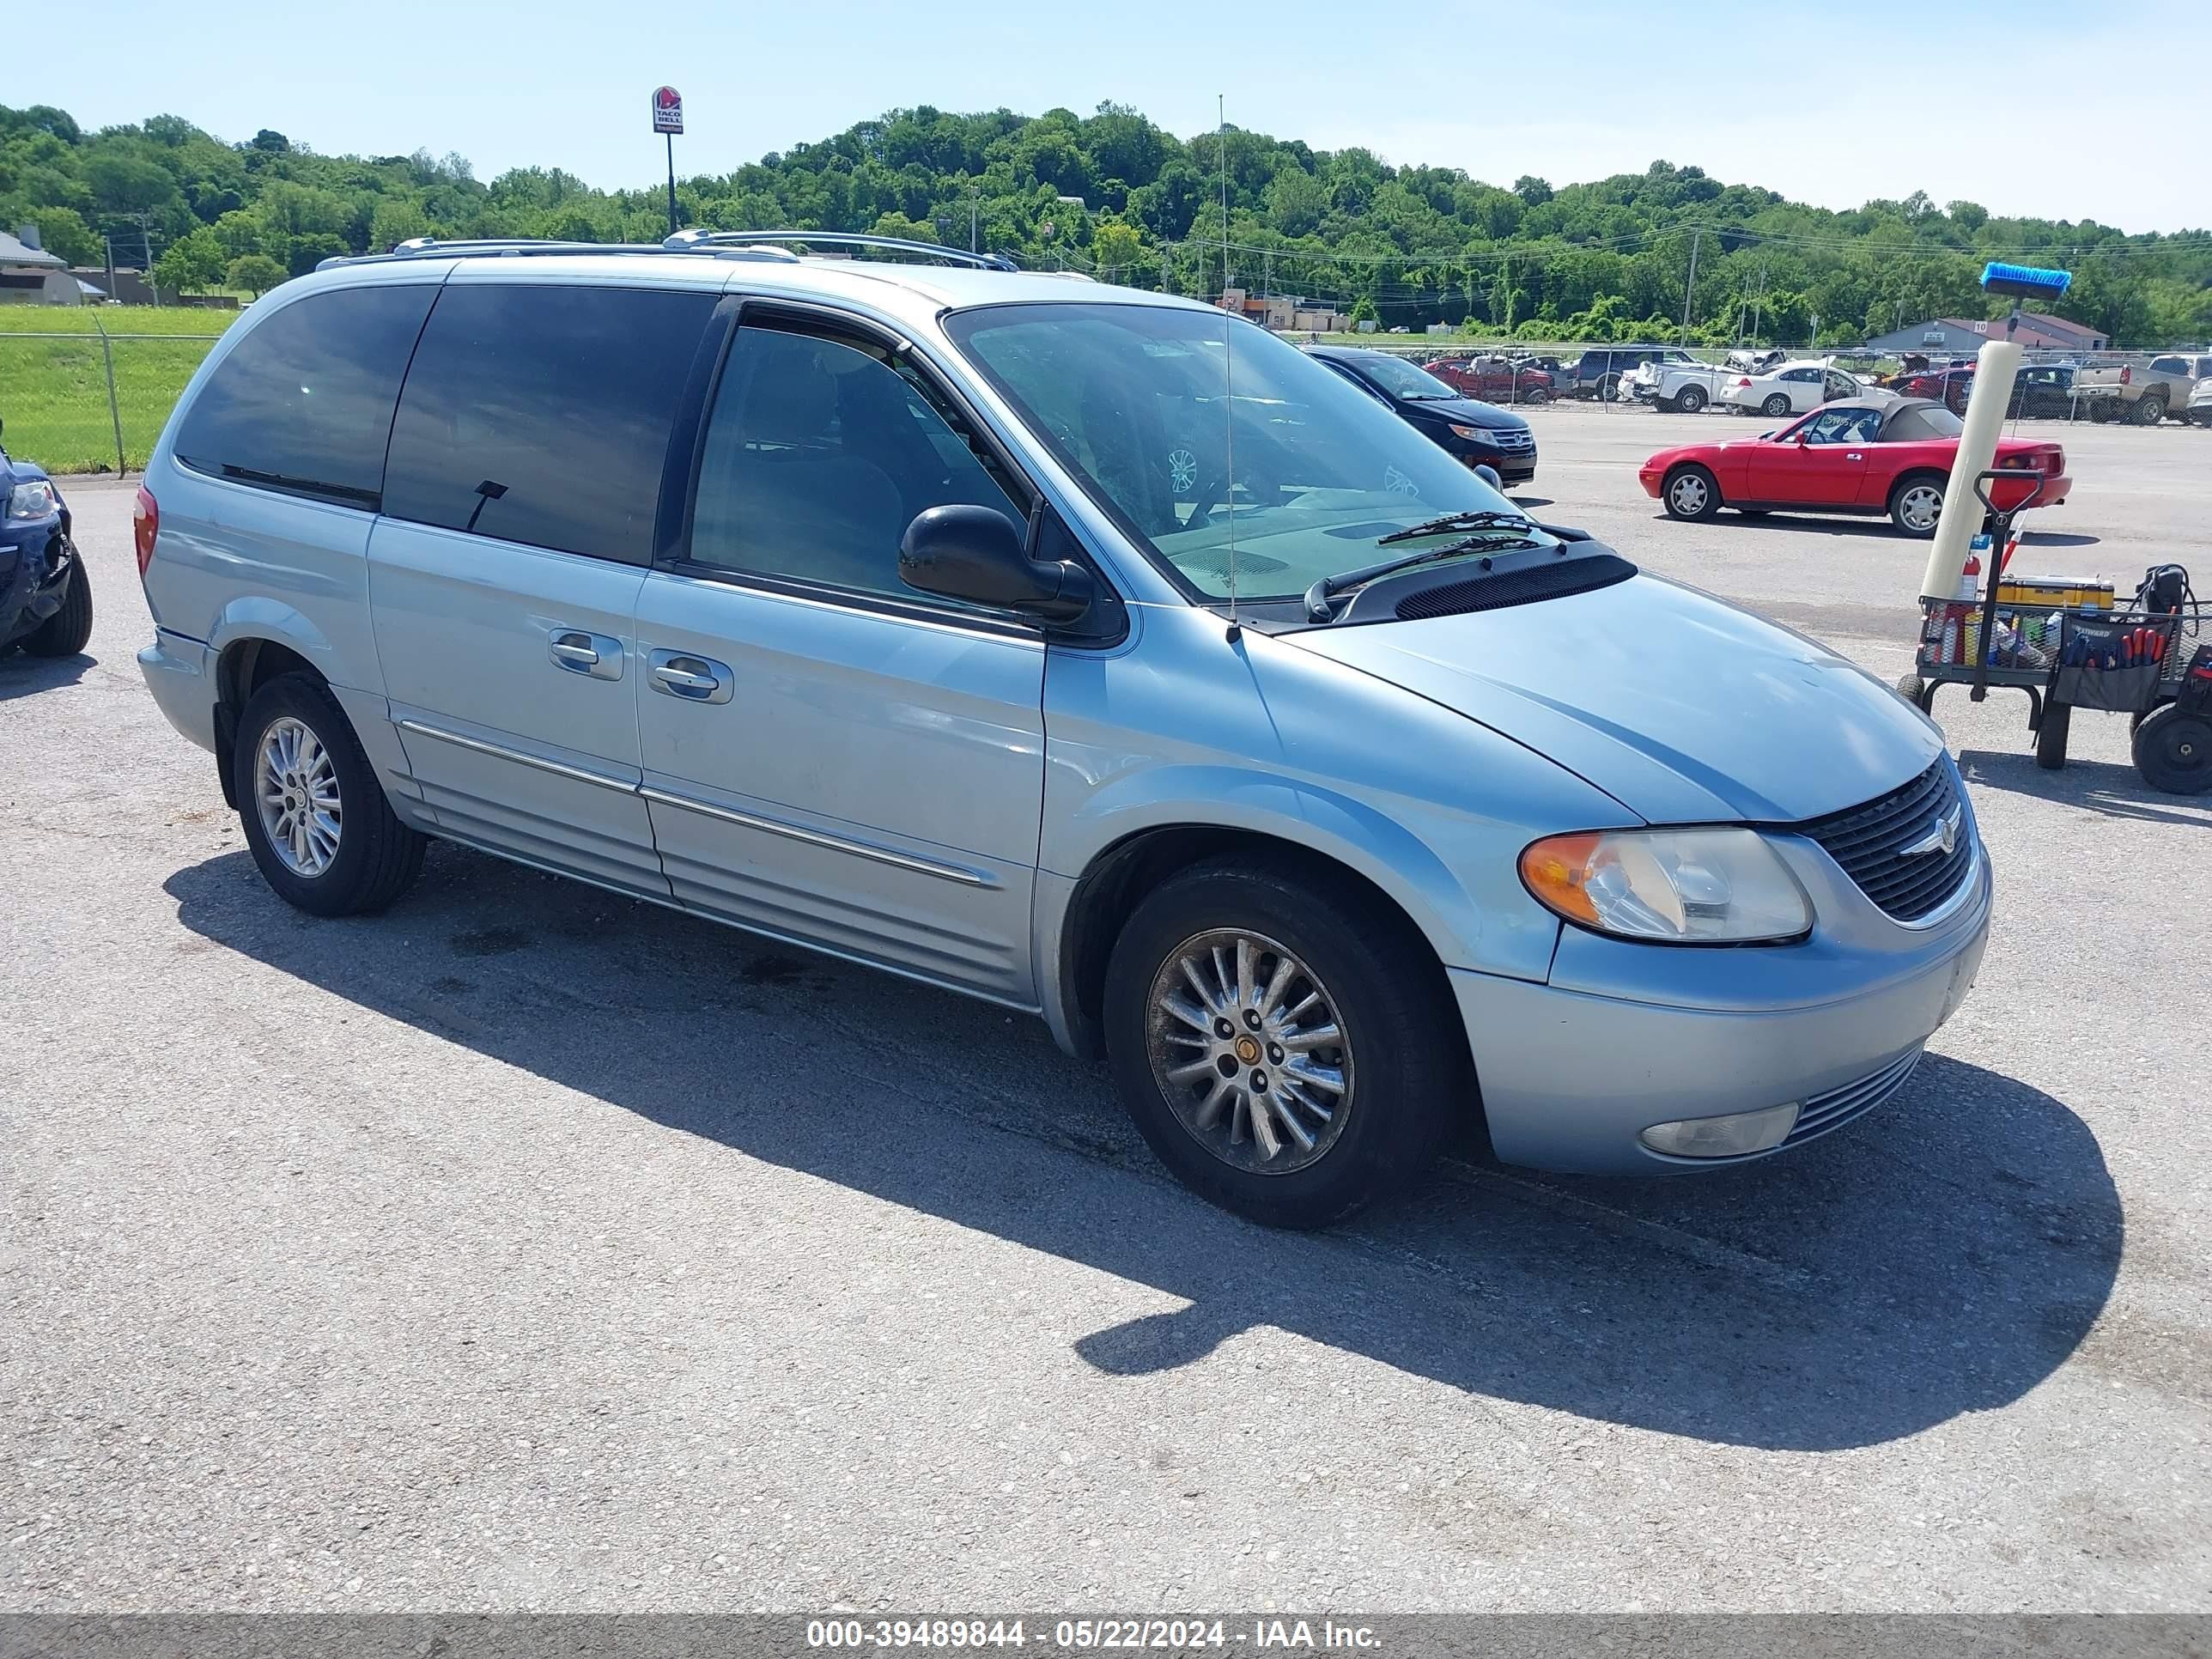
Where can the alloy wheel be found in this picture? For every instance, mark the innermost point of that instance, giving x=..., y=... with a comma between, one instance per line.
x=1249, y=1051
x=1920, y=507
x=295, y=789
x=1687, y=495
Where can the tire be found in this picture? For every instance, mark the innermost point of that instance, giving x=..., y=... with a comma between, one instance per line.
x=67, y=631
x=1536, y=395
x=1608, y=388
x=373, y=858
x=1916, y=691
x=2050, y=735
x=2174, y=751
x=1776, y=406
x=2149, y=412
x=1401, y=1062
x=1691, y=400
x=1690, y=494
x=1908, y=504
x=2100, y=412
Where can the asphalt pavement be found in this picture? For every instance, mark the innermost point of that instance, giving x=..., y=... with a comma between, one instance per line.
x=526, y=1247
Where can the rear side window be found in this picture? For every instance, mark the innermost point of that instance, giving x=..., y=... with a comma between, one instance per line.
x=541, y=414
x=303, y=404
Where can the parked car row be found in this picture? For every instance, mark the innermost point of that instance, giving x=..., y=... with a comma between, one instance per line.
x=968, y=624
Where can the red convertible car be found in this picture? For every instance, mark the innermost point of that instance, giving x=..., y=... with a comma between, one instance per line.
x=1872, y=455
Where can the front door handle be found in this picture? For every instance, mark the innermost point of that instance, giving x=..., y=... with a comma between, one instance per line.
x=694, y=678
x=1855, y=455
x=582, y=652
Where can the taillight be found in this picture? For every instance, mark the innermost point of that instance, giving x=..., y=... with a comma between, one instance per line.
x=2127, y=375
x=1743, y=382
x=145, y=525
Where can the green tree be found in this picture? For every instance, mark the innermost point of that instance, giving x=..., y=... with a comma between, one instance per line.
x=191, y=263
x=257, y=273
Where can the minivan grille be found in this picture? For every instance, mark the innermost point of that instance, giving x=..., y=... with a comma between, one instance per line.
x=1821, y=1112
x=1537, y=581
x=1870, y=842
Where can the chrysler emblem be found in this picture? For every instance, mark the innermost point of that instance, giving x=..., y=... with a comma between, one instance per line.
x=1942, y=836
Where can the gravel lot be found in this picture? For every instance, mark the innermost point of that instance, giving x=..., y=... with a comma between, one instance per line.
x=526, y=1247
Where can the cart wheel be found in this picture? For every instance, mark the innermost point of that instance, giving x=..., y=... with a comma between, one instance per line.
x=2050, y=735
x=2174, y=751
x=1916, y=691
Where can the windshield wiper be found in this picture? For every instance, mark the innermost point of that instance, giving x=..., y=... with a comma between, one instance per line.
x=1318, y=608
x=1480, y=520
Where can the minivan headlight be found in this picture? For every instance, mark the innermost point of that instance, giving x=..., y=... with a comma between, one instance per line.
x=1669, y=886
x=33, y=499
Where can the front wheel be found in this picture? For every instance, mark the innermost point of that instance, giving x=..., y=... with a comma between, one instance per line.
x=2174, y=751
x=69, y=629
x=1691, y=493
x=1916, y=506
x=1278, y=1043
x=316, y=819
x=2050, y=735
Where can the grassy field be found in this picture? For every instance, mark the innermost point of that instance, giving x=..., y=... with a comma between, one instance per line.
x=53, y=388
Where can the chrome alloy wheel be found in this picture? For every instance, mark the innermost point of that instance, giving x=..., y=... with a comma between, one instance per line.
x=1247, y=1046
x=1920, y=507
x=295, y=788
x=1688, y=495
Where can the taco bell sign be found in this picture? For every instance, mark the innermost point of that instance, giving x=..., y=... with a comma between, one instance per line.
x=667, y=110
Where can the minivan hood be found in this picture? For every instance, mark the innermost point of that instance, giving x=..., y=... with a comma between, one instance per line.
x=1682, y=708
x=1473, y=412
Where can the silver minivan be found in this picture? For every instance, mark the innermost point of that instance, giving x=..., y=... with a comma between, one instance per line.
x=1082, y=649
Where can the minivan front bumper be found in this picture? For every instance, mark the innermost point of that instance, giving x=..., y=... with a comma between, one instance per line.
x=1570, y=1080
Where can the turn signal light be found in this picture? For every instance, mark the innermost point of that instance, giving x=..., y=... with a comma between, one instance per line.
x=145, y=525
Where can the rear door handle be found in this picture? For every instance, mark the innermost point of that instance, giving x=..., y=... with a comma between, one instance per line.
x=694, y=678
x=581, y=652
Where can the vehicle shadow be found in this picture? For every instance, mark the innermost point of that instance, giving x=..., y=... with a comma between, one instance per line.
x=2057, y=539
x=22, y=675
x=1810, y=524
x=2103, y=787
x=1943, y=1257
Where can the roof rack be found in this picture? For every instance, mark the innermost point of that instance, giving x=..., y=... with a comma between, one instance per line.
x=430, y=247
x=697, y=240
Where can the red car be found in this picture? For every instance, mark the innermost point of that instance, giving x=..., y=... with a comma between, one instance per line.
x=1493, y=379
x=1950, y=387
x=1872, y=455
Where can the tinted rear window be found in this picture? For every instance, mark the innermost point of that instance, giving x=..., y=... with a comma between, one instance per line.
x=303, y=403
x=541, y=414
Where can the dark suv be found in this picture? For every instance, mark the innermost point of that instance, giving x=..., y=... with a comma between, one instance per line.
x=1599, y=372
x=45, y=598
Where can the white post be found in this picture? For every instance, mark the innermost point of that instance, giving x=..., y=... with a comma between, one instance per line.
x=1994, y=373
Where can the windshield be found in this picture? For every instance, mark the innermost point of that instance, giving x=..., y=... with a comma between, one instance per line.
x=1131, y=399
x=1403, y=380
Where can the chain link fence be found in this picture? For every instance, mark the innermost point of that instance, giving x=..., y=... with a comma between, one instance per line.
x=90, y=401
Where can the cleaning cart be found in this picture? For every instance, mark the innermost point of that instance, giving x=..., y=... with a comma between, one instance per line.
x=2068, y=645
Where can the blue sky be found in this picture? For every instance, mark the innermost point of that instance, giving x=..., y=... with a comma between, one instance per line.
x=1831, y=103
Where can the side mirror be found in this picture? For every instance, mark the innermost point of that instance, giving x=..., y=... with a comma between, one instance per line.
x=1488, y=474
x=974, y=554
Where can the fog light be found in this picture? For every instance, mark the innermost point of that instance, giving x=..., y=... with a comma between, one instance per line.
x=1730, y=1136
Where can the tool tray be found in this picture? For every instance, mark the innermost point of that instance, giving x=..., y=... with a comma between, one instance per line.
x=2115, y=660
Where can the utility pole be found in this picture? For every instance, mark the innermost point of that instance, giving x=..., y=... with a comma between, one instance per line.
x=1689, y=288
x=971, y=221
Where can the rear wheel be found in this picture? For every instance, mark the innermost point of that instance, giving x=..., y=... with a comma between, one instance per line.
x=1691, y=493
x=2050, y=735
x=1608, y=388
x=1691, y=400
x=1277, y=1043
x=316, y=819
x=69, y=629
x=1776, y=406
x=2174, y=751
x=1916, y=506
x=2150, y=411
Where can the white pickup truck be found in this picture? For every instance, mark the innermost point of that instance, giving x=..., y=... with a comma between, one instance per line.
x=1689, y=387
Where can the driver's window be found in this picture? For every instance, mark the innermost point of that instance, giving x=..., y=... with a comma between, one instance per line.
x=819, y=452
